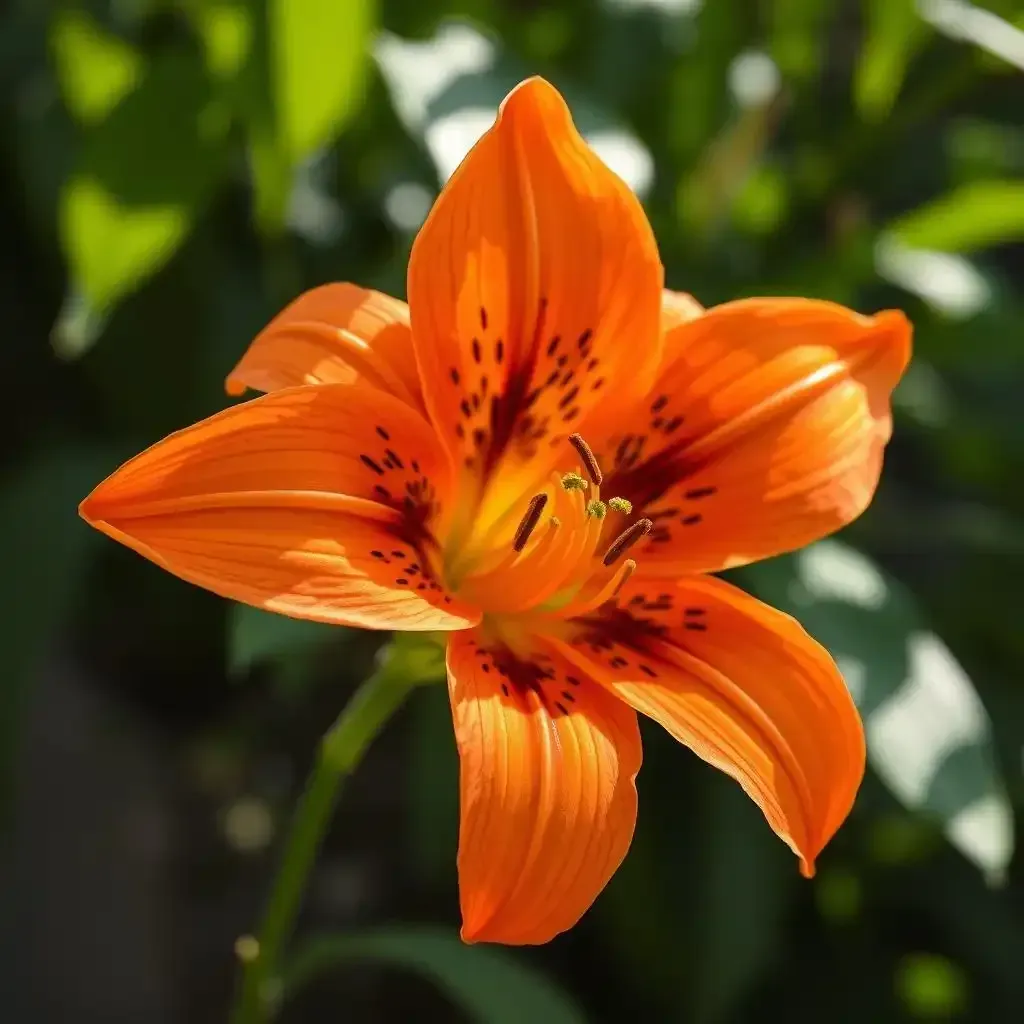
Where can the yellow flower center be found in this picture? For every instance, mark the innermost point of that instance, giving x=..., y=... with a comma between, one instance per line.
x=557, y=561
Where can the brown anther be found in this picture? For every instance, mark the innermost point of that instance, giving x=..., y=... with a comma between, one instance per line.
x=627, y=539
x=628, y=568
x=529, y=521
x=588, y=458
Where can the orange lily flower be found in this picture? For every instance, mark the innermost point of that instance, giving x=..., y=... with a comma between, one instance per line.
x=424, y=467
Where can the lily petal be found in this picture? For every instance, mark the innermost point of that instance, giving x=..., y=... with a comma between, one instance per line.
x=548, y=802
x=535, y=290
x=677, y=308
x=334, y=334
x=743, y=686
x=764, y=433
x=316, y=502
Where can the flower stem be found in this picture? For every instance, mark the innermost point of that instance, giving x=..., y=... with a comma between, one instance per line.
x=341, y=750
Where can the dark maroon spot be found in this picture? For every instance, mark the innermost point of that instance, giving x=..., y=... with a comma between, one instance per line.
x=561, y=707
x=552, y=377
x=568, y=696
x=659, y=403
x=476, y=350
x=571, y=414
x=598, y=384
x=648, y=671
x=673, y=424
x=377, y=554
x=593, y=364
x=394, y=458
x=553, y=345
x=486, y=667
x=483, y=318
x=568, y=377
x=618, y=662
x=691, y=520
x=694, y=611
x=370, y=464
x=398, y=554
x=572, y=680
x=466, y=411
x=499, y=351
x=657, y=422
x=460, y=431
x=454, y=374
x=504, y=688
x=568, y=397
x=563, y=359
x=382, y=492
x=447, y=599
x=476, y=401
x=700, y=492
x=697, y=627
x=483, y=386
x=383, y=433
x=402, y=582
x=584, y=339
x=479, y=437
x=415, y=466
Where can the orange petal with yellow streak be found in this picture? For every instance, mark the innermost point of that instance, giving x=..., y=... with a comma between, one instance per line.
x=765, y=431
x=548, y=802
x=745, y=687
x=297, y=503
x=535, y=293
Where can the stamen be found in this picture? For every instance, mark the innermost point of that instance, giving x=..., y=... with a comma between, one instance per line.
x=620, y=505
x=574, y=482
x=627, y=539
x=628, y=568
x=596, y=509
x=529, y=521
x=587, y=457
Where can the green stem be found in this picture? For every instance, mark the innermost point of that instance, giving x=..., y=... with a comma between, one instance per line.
x=341, y=750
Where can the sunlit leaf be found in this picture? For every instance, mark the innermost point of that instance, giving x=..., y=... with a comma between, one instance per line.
x=318, y=63
x=893, y=34
x=929, y=736
x=977, y=215
x=143, y=177
x=94, y=68
x=491, y=986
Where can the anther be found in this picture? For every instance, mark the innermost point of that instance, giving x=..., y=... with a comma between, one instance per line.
x=620, y=505
x=587, y=457
x=627, y=539
x=529, y=521
x=628, y=568
x=596, y=509
x=574, y=482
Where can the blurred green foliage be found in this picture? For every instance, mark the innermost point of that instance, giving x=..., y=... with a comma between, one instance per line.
x=173, y=171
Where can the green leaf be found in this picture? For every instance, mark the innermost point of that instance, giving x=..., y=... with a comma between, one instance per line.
x=44, y=549
x=490, y=985
x=95, y=69
x=318, y=63
x=894, y=33
x=929, y=736
x=975, y=216
x=144, y=175
x=256, y=637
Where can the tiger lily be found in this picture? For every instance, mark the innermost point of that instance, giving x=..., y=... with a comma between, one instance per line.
x=544, y=455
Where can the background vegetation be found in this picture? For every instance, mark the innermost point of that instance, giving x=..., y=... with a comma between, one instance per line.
x=172, y=172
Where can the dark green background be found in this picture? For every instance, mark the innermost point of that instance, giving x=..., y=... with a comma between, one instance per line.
x=171, y=173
